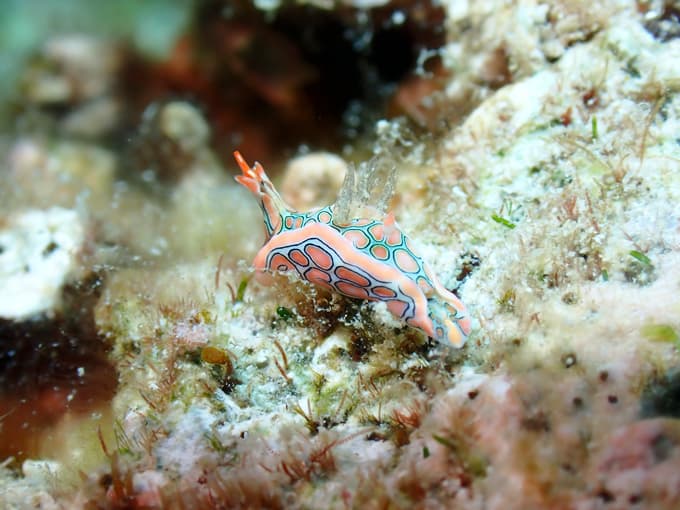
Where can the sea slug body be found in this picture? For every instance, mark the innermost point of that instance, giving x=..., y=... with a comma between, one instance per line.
x=363, y=258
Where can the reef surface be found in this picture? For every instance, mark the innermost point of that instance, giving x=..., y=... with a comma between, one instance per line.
x=536, y=155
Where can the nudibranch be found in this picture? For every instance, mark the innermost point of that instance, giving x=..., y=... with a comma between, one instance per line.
x=362, y=258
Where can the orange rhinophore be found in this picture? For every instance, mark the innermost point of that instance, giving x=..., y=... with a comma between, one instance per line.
x=363, y=258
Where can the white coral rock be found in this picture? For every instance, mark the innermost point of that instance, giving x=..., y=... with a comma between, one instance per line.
x=38, y=252
x=313, y=180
